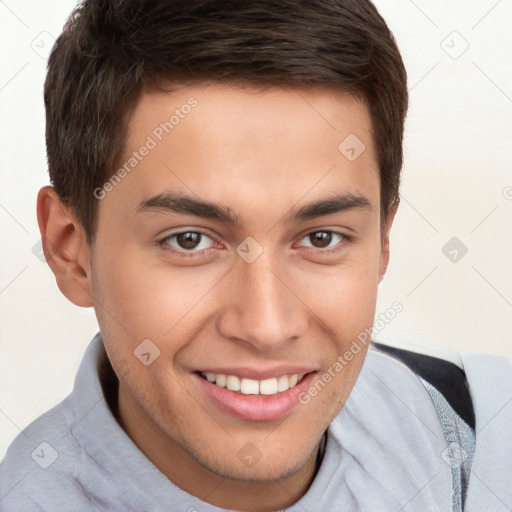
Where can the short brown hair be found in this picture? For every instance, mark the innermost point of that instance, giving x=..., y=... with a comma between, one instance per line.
x=110, y=50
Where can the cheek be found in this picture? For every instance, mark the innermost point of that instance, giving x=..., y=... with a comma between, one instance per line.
x=147, y=297
x=344, y=296
x=344, y=299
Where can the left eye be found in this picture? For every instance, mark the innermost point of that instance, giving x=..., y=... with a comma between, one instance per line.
x=187, y=241
x=323, y=239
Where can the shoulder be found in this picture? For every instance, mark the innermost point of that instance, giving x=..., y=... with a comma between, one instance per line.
x=471, y=395
x=470, y=385
x=493, y=367
x=445, y=376
x=490, y=384
x=34, y=471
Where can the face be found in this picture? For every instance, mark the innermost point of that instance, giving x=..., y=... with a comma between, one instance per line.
x=209, y=248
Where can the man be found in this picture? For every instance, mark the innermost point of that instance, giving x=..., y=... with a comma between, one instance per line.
x=224, y=180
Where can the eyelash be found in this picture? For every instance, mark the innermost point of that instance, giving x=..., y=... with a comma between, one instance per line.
x=163, y=243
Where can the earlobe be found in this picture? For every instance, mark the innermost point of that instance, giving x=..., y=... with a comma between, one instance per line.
x=384, y=253
x=65, y=247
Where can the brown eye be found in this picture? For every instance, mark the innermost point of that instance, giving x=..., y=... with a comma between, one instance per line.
x=192, y=242
x=188, y=239
x=325, y=241
x=320, y=239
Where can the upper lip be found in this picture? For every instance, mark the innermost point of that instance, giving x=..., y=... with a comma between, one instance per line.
x=248, y=372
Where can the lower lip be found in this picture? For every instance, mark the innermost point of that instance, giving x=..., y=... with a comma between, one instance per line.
x=255, y=407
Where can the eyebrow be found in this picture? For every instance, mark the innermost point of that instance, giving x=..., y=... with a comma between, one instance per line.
x=184, y=204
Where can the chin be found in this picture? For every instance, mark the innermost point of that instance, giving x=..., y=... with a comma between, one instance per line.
x=253, y=465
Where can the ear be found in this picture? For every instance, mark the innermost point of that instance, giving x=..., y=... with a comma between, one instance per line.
x=65, y=247
x=384, y=253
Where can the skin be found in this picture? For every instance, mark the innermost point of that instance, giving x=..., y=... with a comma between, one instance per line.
x=262, y=154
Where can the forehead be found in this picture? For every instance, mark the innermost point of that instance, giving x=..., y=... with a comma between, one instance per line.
x=291, y=114
x=243, y=145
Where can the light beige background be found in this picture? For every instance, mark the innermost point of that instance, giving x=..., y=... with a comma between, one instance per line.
x=457, y=183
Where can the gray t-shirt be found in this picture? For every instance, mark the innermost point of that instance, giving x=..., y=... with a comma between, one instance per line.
x=387, y=450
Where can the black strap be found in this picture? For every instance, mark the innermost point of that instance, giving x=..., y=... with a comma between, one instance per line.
x=445, y=376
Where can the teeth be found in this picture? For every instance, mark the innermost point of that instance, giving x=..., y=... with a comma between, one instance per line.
x=254, y=387
x=250, y=387
x=283, y=383
x=233, y=383
x=268, y=387
x=220, y=380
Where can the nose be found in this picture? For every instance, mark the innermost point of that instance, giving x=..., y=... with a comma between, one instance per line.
x=262, y=308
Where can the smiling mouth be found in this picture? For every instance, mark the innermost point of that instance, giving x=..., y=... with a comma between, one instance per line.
x=244, y=386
